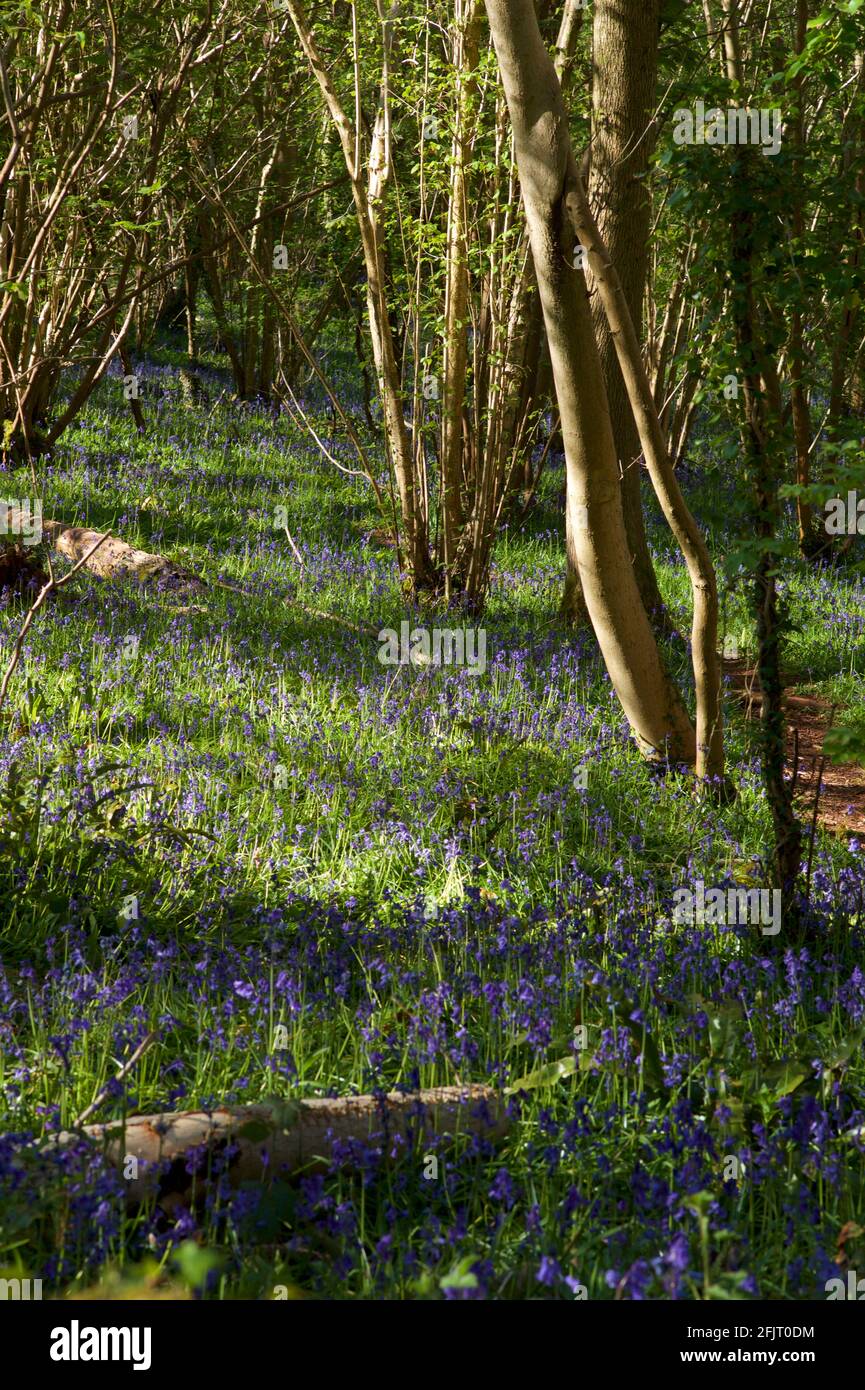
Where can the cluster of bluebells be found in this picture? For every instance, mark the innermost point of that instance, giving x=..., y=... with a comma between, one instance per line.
x=508, y=974
x=235, y=932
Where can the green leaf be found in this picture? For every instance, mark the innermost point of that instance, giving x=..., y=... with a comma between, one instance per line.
x=845, y=745
x=725, y=1027
x=545, y=1076
x=845, y=1050
x=730, y=1288
x=699, y=1202
x=779, y=1079
x=285, y=1114
x=14, y=287
x=195, y=1263
x=460, y=1276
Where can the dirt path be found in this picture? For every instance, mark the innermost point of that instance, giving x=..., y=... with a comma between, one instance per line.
x=842, y=795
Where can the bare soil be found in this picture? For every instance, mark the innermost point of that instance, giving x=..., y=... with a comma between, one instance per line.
x=841, y=806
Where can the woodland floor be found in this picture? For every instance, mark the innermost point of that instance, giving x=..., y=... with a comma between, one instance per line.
x=835, y=792
x=225, y=824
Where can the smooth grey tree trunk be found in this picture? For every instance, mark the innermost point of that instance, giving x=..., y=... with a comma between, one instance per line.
x=547, y=171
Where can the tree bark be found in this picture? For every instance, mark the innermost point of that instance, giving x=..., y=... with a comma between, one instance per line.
x=114, y=559
x=764, y=446
x=465, y=40
x=546, y=167
x=853, y=142
x=641, y=405
x=624, y=80
x=799, y=399
x=367, y=195
x=281, y=1140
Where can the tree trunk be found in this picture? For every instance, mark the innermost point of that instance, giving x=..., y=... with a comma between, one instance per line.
x=546, y=165
x=134, y=404
x=641, y=404
x=844, y=344
x=799, y=401
x=115, y=559
x=465, y=41
x=191, y=278
x=367, y=195
x=214, y=290
x=624, y=80
x=764, y=446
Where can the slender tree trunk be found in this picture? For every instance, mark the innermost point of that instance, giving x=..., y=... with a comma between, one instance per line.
x=367, y=195
x=799, y=403
x=190, y=284
x=844, y=340
x=134, y=404
x=624, y=81
x=255, y=299
x=572, y=610
x=704, y=631
x=214, y=290
x=465, y=60
x=546, y=167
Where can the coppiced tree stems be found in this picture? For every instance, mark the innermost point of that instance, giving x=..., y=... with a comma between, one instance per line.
x=487, y=390
x=369, y=180
x=624, y=81
x=545, y=163
x=623, y=335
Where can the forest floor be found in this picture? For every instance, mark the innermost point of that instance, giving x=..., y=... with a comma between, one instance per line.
x=225, y=823
x=831, y=793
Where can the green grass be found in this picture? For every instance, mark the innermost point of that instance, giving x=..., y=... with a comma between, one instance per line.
x=274, y=799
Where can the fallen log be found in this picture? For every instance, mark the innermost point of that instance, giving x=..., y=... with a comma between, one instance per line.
x=113, y=559
x=283, y=1139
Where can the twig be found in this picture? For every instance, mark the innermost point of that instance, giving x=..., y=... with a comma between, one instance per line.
x=360, y=629
x=813, y=830
x=53, y=583
x=124, y=1071
x=297, y=553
